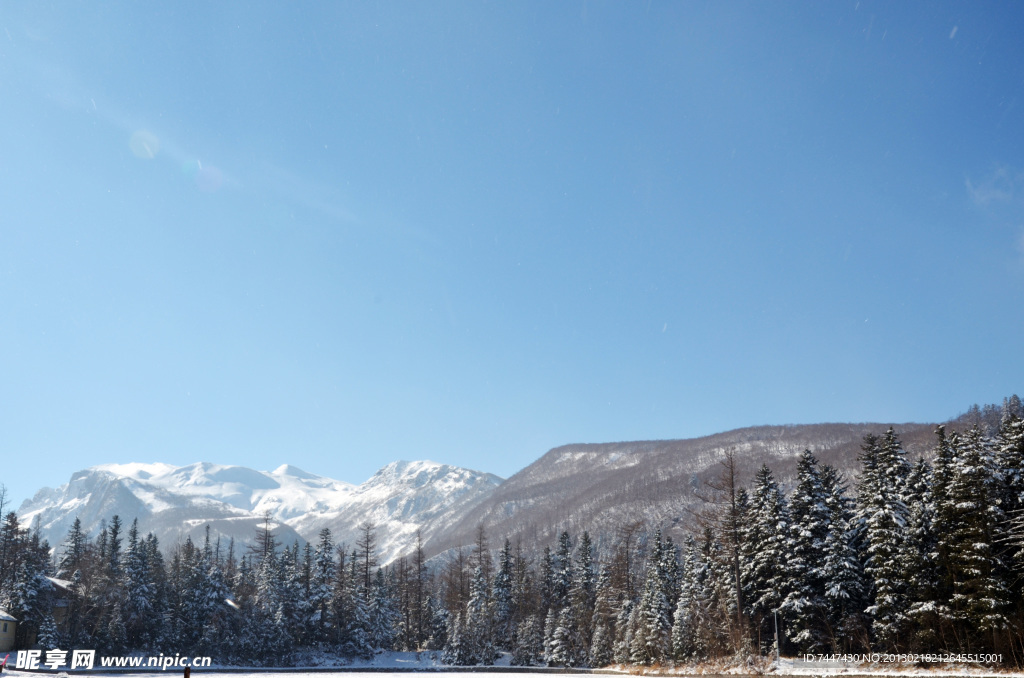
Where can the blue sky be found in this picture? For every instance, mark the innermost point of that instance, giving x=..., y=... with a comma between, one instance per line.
x=340, y=234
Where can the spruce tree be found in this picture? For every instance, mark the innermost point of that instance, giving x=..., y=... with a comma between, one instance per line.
x=504, y=603
x=478, y=634
x=884, y=517
x=653, y=625
x=918, y=558
x=321, y=589
x=804, y=605
x=382, y=614
x=980, y=598
x=765, y=543
x=529, y=646
x=841, y=568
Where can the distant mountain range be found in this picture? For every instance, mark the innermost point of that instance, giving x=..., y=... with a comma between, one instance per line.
x=595, y=486
x=178, y=502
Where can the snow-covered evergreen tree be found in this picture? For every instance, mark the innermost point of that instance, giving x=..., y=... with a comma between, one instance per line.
x=841, y=568
x=550, y=624
x=918, y=558
x=565, y=647
x=529, y=646
x=383, y=615
x=1010, y=459
x=602, y=641
x=139, y=594
x=478, y=633
x=804, y=605
x=352, y=610
x=883, y=514
x=980, y=598
x=623, y=632
x=601, y=645
x=563, y=575
x=765, y=550
x=29, y=597
x=504, y=603
x=651, y=641
x=439, y=624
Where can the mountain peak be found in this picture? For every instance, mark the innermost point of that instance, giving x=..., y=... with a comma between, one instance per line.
x=293, y=471
x=137, y=470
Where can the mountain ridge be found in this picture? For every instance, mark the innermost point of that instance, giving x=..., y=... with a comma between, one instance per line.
x=593, y=486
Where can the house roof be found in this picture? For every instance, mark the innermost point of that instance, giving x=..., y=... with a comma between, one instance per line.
x=5, y=616
x=61, y=583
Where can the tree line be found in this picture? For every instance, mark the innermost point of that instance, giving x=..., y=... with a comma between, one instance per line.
x=922, y=555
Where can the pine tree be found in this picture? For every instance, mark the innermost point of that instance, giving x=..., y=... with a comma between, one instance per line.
x=355, y=638
x=582, y=599
x=421, y=583
x=321, y=589
x=684, y=632
x=652, y=639
x=918, y=558
x=884, y=516
x=841, y=568
x=765, y=542
x=529, y=647
x=550, y=625
x=29, y=596
x=1010, y=459
x=565, y=641
x=139, y=592
x=504, y=603
x=547, y=582
x=606, y=601
x=804, y=604
x=73, y=550
x=563, y=576
x=623, y=633
x=383, y=616
x=980, y=598
x=439, y=623
x=452, y=654
x=601, y=644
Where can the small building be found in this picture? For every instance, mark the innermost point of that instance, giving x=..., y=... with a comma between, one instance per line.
x=8, y=625
x=61, y=600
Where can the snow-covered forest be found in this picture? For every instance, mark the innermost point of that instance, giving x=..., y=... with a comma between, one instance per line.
x=912, y=555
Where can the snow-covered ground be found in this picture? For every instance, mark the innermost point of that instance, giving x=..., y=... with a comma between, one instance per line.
x=293, y=673
x=788, y=666
x=316, y=665
x=796, y=667
x=319, y=664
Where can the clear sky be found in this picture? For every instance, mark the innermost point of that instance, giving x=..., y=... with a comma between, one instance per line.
x=341, y=234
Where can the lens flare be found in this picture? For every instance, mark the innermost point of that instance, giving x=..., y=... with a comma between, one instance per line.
x=144, y=144
x=209, y=179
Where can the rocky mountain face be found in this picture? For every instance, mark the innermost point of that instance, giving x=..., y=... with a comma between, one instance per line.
x=179, y=502
x=601, y=487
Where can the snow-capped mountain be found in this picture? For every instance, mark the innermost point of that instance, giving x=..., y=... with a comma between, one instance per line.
x=174, y=502
x=401, y=498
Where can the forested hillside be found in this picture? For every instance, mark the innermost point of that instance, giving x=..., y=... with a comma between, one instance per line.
x=921, y=555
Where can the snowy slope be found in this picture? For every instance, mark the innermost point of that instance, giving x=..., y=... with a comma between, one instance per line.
x=401, y=498
x=175, y=502
x=601, y=487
